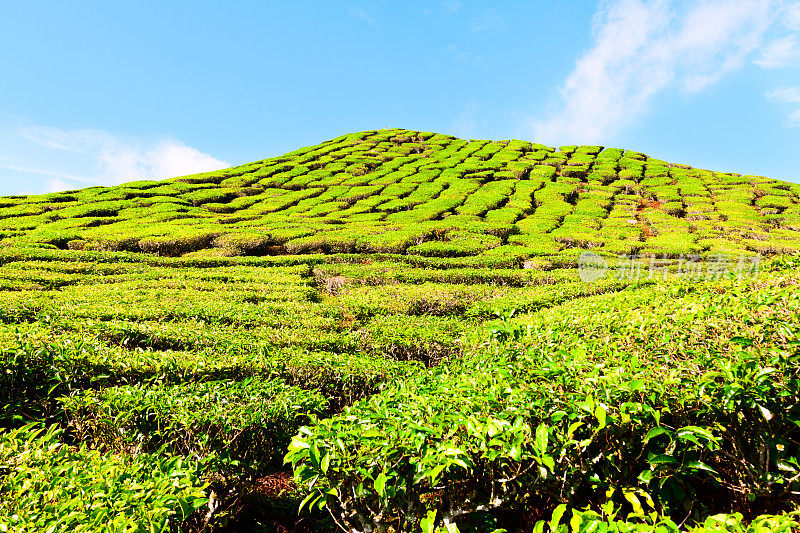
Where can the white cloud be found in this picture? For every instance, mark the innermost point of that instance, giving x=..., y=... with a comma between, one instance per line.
x=780, y=53
x=450, y=6
x=643, y=48
x=465, y=124
x=173, y=158
x=466, y=57
x=789, y=95
x=792, y=16
x=33, y=170
x=361, y=14
x=55, y=159
x=488, y=23
x=57, y=185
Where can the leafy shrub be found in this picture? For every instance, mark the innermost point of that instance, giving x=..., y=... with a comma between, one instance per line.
x=249, y=421
x=488, y=197
x=171, y=246
x=393, y=241
x=457, y=244
x=244, y=243
x=337, y=241
x=369, y=178
x=33, y=375
x=641, y=519
x=672, y=245
x=342, y=378
x=204, y=196
x=45, y=484
x=781, y=202
x=128, y=335
x=560, y=426
x=538, y=244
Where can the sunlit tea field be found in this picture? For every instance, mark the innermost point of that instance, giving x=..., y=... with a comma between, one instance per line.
x=400, y=331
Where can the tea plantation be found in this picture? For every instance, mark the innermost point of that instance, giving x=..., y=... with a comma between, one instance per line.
x=390, y=332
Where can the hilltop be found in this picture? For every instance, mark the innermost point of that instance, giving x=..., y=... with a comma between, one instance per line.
x=426, y=194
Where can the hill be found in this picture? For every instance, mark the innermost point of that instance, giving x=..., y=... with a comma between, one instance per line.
x=408, y=192
x=399, y=331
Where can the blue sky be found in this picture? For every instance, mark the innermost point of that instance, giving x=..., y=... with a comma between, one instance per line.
x=107, y=92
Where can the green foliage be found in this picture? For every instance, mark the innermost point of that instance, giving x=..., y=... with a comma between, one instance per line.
x=46, y=485
x=399, y=178
x=457, y=244
x=672, y=245
x=642, y=519
x=555, y=425
x=248, y=422
x=175, y=245
x=33, y=375
x=350, y=287
x=252, y=242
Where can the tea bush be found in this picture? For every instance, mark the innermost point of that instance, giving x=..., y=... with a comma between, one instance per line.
x=47, y=485
x=350, y=287
x=552, y=425
x=249, y=422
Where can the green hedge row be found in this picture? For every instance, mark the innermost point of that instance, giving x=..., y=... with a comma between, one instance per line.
x=248, y=422
x=682, y=419
x=46, y=485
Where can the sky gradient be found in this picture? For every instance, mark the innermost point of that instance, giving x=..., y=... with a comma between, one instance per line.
x=103, y=93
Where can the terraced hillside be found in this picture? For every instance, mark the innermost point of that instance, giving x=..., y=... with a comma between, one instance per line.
x=407, y=192
x=391, y=331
